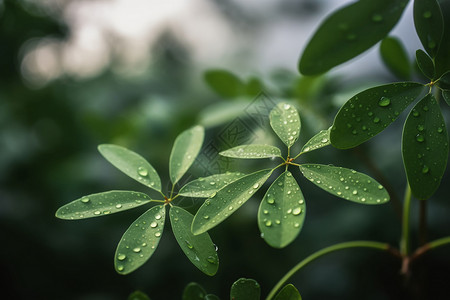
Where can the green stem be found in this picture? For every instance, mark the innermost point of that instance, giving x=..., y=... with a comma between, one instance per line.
x=404, y=242
x=330, y=249
x=439, y=242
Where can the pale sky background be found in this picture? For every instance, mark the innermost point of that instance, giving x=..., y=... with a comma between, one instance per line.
x=275, y=42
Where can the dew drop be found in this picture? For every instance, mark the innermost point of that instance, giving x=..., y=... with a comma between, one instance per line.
x=268, y=223
x=189, y=245
x=296, y=211
x=230, y=208
x=158, y=234
x=153, y=224
x=256, y=185
x=420, y=127
x=158, y=217
x=384, y=101
x=270, y=200
x=121, y=256
x=440, y=130
x=97, y=212
x=425, y=108
x=297, y=225
x=286, y=106
x=265, y=211
x=206, y=217
x=420, y=138
x=85, y=200
x=324, y=140
x=376, y=120
x=377, y=18
x=425, y=169
x=212, y=260
x=355, y=192
x=142, y=171
x=380, y=187
x=415, y=113
x=120, y=268
x=118, y=205
x=136, y=250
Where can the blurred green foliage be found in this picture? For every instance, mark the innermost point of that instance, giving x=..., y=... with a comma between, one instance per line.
x=48, y=157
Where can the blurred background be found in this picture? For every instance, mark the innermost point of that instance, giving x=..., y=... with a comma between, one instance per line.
x=75, y=74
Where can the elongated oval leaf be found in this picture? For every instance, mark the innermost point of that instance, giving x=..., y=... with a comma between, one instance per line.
x=442, y=59
x=244, y=288
x=198, y=248
x=446, y=96
x=101, y=204
x=194, y=291
x=318, y=141
x=140, y=240
x=289, y=292
x=444, y=82
x=205, y=187
x=426, y=64
x=131, y=164
x=345, y=183
x=227, y=200
x=252, y=151
x=224, y=83
x=185, y=149
x=425, y=147
x=395, y=57
x=282, y=211
x=368, y=113
x=429, y=24
x=349, y=32
x=285, y=121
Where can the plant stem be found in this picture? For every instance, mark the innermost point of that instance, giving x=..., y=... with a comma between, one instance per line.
x=423, y=222
x=330, y=249
x=404, y=241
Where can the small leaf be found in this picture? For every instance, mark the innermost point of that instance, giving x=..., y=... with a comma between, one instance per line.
x=446, y=96
x=442, y=59
x=429, y=24
x=245, y=289
x=205, y=187
x=224, y=83
x=227, y=200
x=426, y=64
x=368, y=113
x=349, y=32
x=185, y=149
x=194, y=291
x=101, y=204
x=289, y=292
x=318, y=141
x=285, y=121
x=282, y=211
x=138, y=295
x=131, y=164
x=345, y=183
x=425, y=147
x=198, y=248
x=252, y=151
x=395, y=57
x=140, y=240
x=444, y=82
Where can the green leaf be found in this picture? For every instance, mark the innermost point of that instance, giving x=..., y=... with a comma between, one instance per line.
x=101, y=204
x=194, y=291
x=140, y=240
x=205, y=187
x=245, y=289
x=349, y=32
x=346, y=183
x=199, y=249
x=368, y=113
x=224, y=83
x=227, y=200
x=318, y=141
x=395, y=57
x=446, y=96
x=289, y=292
x=131, y=164
x=282, y=211
x=442, y=59
x=426, y=64
x=444, y=81
x=429, y=24
x=185, y=149
x=285, y=121
x=138, y=295
x=252, y=151
x=425, y=147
